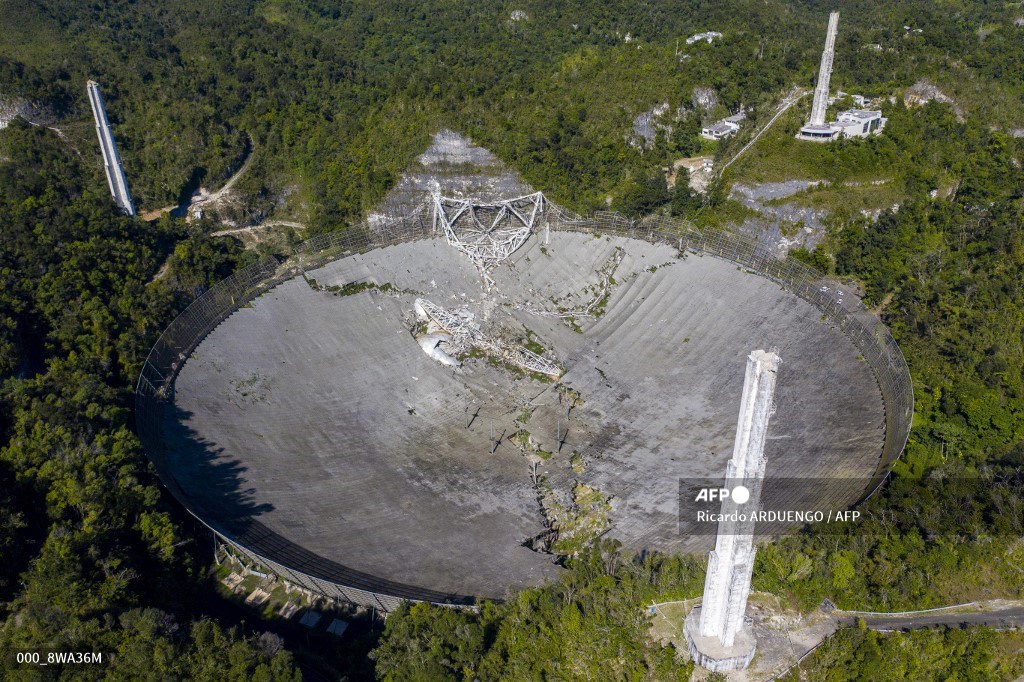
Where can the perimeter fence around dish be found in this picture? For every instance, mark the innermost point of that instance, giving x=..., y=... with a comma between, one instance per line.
x=155, y=393
x=155, y=388
x=361, y=238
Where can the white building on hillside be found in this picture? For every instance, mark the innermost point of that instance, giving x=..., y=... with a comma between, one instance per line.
x=850, y=123
x=716, y=131
x=860, y=122
x=707, y=36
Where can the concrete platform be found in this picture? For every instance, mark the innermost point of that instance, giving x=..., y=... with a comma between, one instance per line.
x=708, y=652
x=319, y=417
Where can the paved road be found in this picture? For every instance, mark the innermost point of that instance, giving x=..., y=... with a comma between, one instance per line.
x=1004, y=619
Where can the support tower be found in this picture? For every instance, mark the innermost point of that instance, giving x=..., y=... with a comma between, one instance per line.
x=825, y=73
x=111, y=160
x=715, y=634
x=816, y=128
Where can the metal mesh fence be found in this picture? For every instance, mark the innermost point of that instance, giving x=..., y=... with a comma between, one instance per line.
x=155, y=387
x=361, y=238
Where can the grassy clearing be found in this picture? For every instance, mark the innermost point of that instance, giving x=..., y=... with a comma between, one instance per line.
x=268, y=610
x=729, y=212
x=779, y=156
x=853, y=198
x=667, y=620
x=35, y=40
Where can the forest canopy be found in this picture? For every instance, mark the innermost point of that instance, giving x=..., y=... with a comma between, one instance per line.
x=338, y=102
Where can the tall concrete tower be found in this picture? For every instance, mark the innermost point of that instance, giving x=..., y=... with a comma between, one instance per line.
x=824, y=73
x=716, y=636
x=111, y=160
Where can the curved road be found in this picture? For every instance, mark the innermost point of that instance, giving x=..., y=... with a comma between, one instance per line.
x=1004, y=619
x=202, y=196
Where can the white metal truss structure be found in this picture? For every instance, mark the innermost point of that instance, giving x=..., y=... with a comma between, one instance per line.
x=464, y=331
x=487, y=233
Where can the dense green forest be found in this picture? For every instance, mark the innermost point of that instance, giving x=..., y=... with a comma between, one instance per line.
x=948, y=272
x=338, y=103
x=936, y=654
x=336, y=99
x=92, y=558
x=586, y=626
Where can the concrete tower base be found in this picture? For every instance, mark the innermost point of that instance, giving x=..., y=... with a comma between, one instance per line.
x=708, y=652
